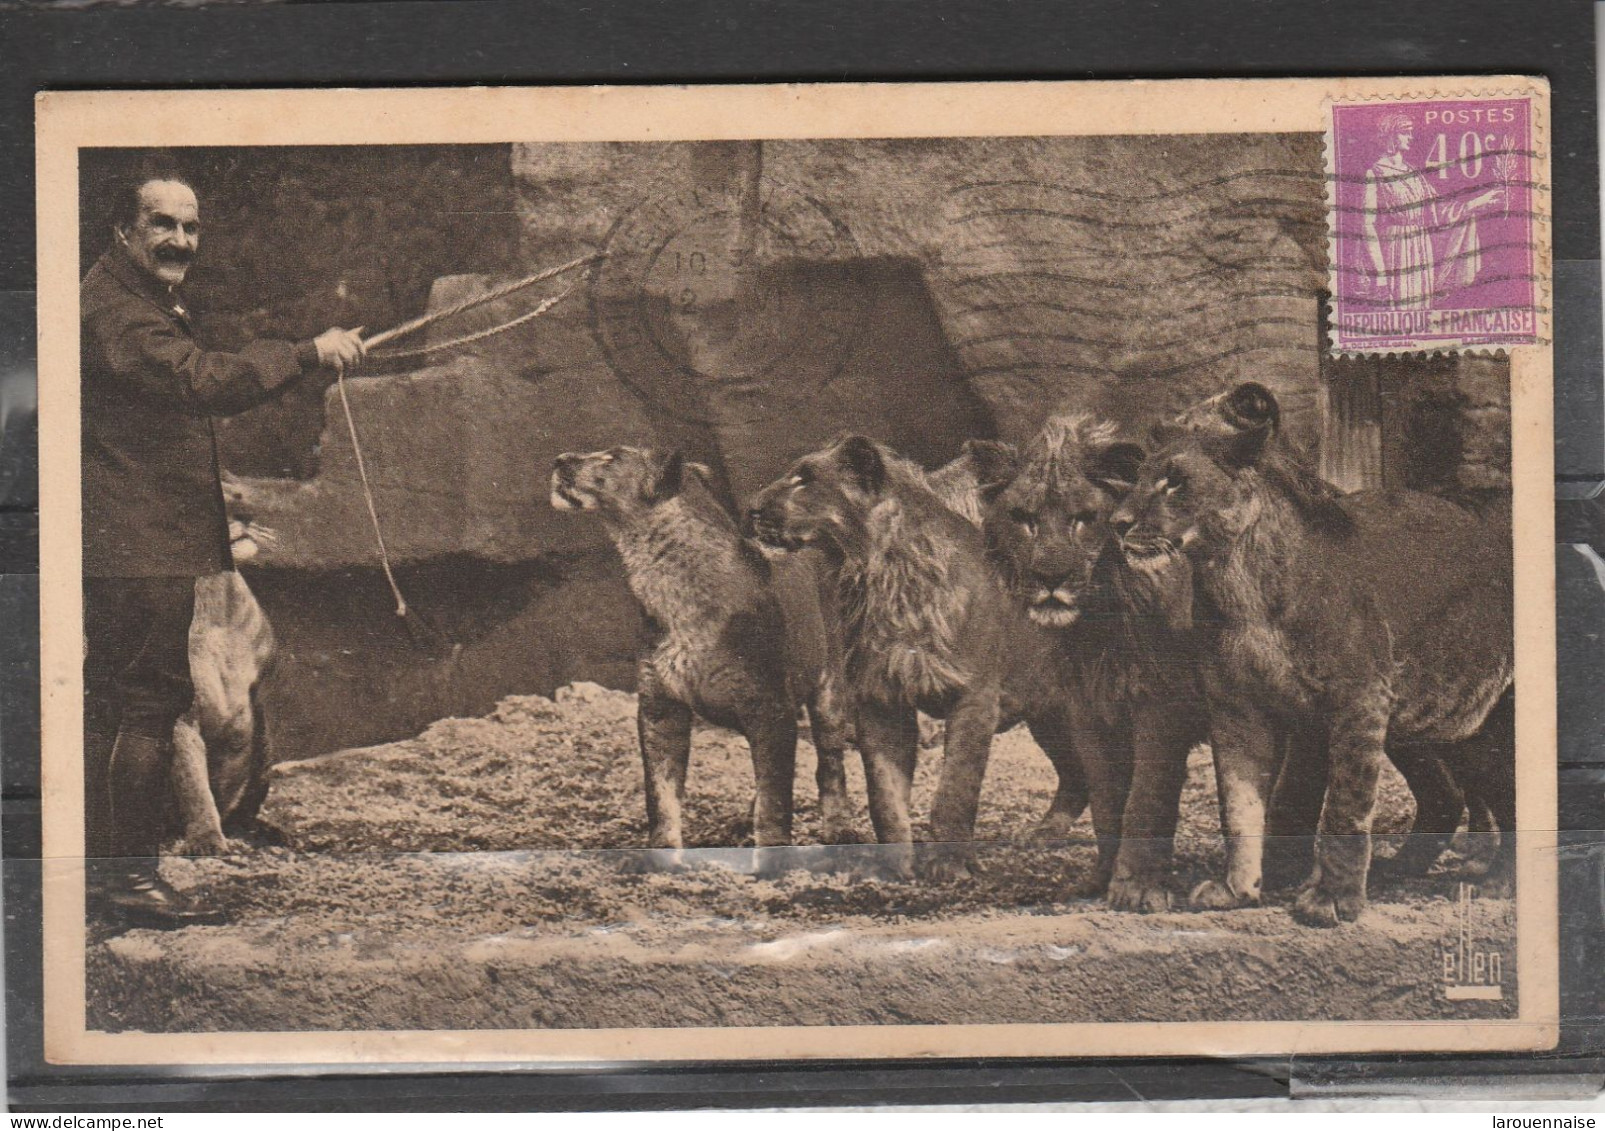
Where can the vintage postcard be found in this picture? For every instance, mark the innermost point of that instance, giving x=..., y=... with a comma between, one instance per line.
x=682, y=574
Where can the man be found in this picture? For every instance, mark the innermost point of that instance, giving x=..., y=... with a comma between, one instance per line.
x=153, y=519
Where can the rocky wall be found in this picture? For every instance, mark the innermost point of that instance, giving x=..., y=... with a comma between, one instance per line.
x=752, y=299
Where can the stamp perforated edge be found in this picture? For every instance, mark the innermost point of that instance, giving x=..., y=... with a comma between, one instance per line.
x=1536, y=91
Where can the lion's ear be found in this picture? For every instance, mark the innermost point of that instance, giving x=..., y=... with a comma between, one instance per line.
x=996, y=464
x=1115, y=467
x=669, y=473
x=1253, y=414
x=1251, y=405
x=863, y=460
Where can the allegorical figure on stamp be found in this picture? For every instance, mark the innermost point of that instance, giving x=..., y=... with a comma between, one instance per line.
x=154, y=518
x=1402, y=216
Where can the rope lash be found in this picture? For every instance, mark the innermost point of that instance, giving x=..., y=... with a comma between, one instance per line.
x=430, y=319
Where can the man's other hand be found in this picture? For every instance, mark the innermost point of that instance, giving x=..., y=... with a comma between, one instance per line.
x=340, y=350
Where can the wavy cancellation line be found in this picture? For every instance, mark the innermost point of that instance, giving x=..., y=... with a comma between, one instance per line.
x=1219, y=264
x=1142, y=347
x=1034, y=367
x=1108, y=313
x=1241, y=175
x=1173, y=312
x=1204, y=213
x=997, y=277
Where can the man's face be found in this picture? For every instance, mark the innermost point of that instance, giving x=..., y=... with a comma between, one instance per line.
x=1407, y=134
x=167, y=231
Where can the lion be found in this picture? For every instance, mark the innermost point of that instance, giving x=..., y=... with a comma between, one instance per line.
x=1034, y=685
x=928, y=627
x=1367, y=624
x=1124, y=639
x=736, y=639
x=1440, y=799
x=220, y=751
x=218, y=775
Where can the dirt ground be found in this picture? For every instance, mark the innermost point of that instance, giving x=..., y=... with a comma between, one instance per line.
x=481, y=875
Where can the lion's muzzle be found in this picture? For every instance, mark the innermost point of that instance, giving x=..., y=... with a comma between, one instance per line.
x=565, y=495
x=772, y=531
x=1056, y=607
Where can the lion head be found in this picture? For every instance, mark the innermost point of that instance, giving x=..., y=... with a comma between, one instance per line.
x=1047, y=515
x=1206, y=481
x=618, y=482
x=824, y=497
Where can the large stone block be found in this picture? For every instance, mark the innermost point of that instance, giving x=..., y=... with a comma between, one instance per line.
x=458, y=458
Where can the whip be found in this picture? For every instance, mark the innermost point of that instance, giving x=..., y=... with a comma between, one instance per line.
x=429, y=638
x=414, y=325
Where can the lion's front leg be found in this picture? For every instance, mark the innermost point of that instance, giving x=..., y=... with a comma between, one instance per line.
x=1160, y=739
x=1246, y=753
x=966, y=748
x=888, y=737
x=1073, y=792
x=1105, y=753
x=664, y=726
x=1336, y=891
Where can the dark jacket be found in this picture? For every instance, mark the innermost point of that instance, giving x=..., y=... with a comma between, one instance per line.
x=152, y=501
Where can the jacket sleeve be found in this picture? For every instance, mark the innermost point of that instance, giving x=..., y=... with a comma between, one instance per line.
x=162, y=361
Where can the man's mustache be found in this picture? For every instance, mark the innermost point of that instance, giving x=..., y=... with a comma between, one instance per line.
x=176, y=256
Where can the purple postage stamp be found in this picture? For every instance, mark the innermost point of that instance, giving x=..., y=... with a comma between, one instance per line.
x=1431, y=209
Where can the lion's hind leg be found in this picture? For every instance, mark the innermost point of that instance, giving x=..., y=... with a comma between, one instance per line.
x=203, y=828
x=1486, y=769
x=827, y=720
x=1295, y=811
x=1439, y=806
x=771, y=732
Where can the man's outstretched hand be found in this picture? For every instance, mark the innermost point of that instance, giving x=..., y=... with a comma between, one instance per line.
x=340, y=350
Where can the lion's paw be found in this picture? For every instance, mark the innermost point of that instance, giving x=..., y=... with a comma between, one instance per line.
x=651, y=860
x=206, y=842
x=1053, y=827
x=1414, y=860
x=884, y=869
x=1212, y=895
x=1319, y=907
x=1088, y=887
x=839, y=831
x=1135, y=894
x=945, y=868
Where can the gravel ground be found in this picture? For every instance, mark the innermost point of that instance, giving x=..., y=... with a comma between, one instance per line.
x=481, y=876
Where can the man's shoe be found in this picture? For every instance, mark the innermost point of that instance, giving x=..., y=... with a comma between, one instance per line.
x=141, y=897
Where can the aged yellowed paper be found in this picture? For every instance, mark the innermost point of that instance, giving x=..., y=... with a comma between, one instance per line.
x=614, y=663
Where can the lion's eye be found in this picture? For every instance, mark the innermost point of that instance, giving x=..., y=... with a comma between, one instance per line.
x=1086, y=518
x=1023, y=518
x=1171, y=483
x=800, y=477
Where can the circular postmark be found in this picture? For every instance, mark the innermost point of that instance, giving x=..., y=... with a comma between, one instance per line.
x=727, y=285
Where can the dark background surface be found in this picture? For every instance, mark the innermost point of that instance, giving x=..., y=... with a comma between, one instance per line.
x=488, y=41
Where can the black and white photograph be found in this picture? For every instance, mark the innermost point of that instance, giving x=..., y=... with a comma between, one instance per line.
x=712, y=573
